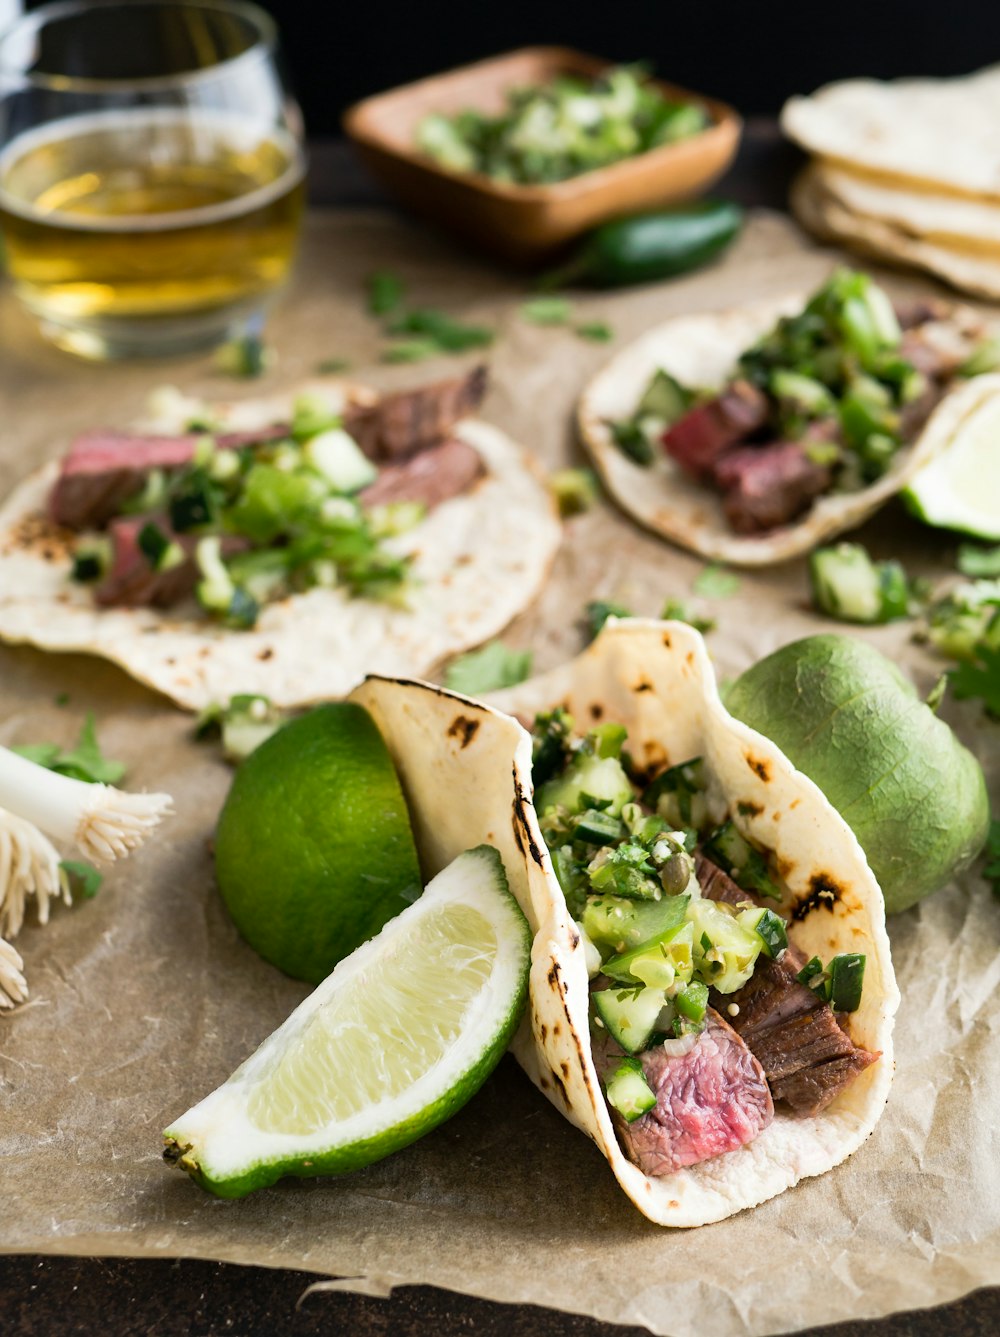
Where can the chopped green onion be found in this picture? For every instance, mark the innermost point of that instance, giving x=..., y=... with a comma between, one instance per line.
x=410, y=350
x=979, y=563
x=245, y=357
x=81, y=877
x=715, y=582
x=598, y=611
x=444, y=332
x=676, y=611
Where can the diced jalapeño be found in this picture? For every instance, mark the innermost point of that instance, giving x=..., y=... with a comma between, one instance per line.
x=692, y=1000
x=737, y=857
x=597, y=828
x=847, y=976
x=769, y=927
x=628, y=1091
x=658, y=963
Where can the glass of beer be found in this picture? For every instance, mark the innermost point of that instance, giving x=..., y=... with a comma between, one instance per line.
x=151, y=171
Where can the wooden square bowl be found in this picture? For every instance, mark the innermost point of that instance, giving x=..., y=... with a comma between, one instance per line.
x=528, y=223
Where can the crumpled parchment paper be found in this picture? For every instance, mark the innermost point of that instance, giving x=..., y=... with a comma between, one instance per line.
x=145, y=998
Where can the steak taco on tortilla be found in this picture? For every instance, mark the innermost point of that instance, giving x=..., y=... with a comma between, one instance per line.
x=711, y=994
x=751, y=435
x=282, y=547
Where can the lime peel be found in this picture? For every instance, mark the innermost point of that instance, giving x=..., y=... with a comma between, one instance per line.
x=306, y=1104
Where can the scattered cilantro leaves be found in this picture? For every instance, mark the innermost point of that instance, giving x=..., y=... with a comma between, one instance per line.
x=676, y=611
x=598, y=611
x=84, y=761
x=385, y=292
x=597, y=331
x=83, y=878
x=450, y=335
x=487, y=669
x=980, y=678
x=410, y=350
x=332, y=366
x=716, y=582
x=979, y=563
x=547, y=311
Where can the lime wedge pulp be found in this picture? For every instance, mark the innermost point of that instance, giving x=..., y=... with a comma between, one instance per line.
x=393, y=1042
x=960, y=488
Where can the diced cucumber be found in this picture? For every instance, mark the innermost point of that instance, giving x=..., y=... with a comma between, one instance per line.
x=629, y=1015
x=725, y=951
x=664, y=398
x=628, y=1091
x=616, y=924
x=216, y=588
x=658, y=964
x=340, y=460
x=769, y=927
x=848, y=585
x=600, y=778
x=809, y=396
x=598, y=828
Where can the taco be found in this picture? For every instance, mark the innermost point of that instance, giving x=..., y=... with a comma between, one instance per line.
x=283, y=546
x=779, y=1089
x=751, y=435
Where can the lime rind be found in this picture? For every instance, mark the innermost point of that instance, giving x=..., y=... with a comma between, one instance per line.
x=960, y=488
x=218, y=1141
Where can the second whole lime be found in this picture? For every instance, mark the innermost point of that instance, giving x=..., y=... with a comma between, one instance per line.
x=314, y=851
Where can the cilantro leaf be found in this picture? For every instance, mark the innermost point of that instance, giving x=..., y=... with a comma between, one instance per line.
x=487, y=669
x=980, y=678
x=450, y=336
x=385, y=292
x=676, y=611
x=84, y=761
x=547, y=311
x=83, y=877
x=715, y=582
x=597, y=331
x=598, y=611
x=977, y=562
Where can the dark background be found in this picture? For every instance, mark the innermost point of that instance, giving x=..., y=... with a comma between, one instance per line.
x=753, y=55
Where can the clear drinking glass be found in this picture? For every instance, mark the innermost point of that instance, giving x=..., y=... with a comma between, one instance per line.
x=151, y=171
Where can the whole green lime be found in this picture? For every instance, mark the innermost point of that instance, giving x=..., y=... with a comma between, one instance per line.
x=314, y=850
x=844, y=714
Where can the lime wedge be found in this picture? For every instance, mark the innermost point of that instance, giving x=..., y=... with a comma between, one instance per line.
x=960, y=489
x=397, y=1039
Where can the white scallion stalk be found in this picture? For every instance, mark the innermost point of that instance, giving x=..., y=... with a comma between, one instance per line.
x=13, y=985
x=103, y=822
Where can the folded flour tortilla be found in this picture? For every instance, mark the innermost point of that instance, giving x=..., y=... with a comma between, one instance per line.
x=701, y=350
x=480, y=559
x=656, y=679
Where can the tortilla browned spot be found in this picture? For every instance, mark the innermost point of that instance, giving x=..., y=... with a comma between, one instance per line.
x=463, y=728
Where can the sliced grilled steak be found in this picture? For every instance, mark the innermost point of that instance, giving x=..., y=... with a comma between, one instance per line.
x=768, y=486
x=105, y=468
x=698, y=439
x=913, y=311
x=433, y=476
x=807, y=1055
x=132, y=583
x=401, y=424
x=710, y=1100
x=937, y=358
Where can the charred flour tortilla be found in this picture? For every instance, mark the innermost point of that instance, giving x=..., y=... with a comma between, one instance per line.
x=480, y=558
x=701, y=350
x=656, y=679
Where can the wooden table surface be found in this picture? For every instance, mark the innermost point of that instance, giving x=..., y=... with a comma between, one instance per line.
x=59, y=1297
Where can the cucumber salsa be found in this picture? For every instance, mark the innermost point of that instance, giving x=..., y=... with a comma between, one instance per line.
x=676, y=911
x=822, y=403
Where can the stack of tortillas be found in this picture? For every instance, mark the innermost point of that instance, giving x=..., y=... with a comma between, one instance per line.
x=907, y=172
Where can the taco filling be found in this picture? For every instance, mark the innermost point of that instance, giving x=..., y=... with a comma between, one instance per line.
x=242, y=518
x=821, y=404
x=703, y=1015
